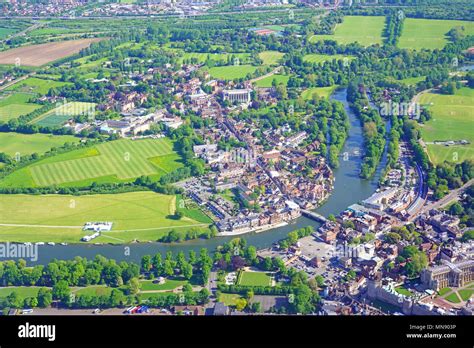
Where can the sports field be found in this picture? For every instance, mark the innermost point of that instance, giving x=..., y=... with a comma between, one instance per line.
x=64, y=112
x=36, y=85
x=366, y=30
x=271, y=57
x=15, y=104
x=254, y=279
x=323, y=92
x=26, y=144
x=115, y=161
x=38, y=55
x=268, y=81
x=322, y=58
x=429, y=33
x=231, y=72
x=59, y=218
x=453, y=119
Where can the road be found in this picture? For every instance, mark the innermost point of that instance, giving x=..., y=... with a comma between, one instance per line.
x=212, y=288
x=271, y=73
x=453, y=194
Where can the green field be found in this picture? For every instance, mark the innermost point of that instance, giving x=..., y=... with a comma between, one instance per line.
x=466, y=294
x=216, y=57
x=59, y=218
x=26, y=144
x=366, y=30
x=411, y=81
x=268, y=81
x=35, y=85
x=170, y=284
x=271, y=57
x=322, y=58
x=22, y=291
x=323, y=92
x=59, y=115
x=444, y=291
x=453, y=298
x=93, y=290
x=254, y=279
x=453, y=117
x=403, y=291
x=15, y=105
x=429, y=33
x=4, y=32
x=229, y=299
x=115, y=161
x=231, y=72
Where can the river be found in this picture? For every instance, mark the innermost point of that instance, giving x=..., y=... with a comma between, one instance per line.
x=348, y=189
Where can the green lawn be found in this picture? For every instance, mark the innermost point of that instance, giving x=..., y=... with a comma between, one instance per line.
x=115, y=161
x=366, y=30
x=322, y=58
x=36, y=85
x=26, y=144
x=466, y=294
x=268, y=81
x=170, y=284
x=453, y=117
x=444, y=291
x=231, y=72
x=15, y=105
x=271, y=57
x=93, y=290
x=323, y=92
x=429, y=33
x=254, y=279
x=453, y=298
x=410, y=81
x=59, y=218
x=229, y=299
x=22, y=291
x=403, y=291
x=59, y=115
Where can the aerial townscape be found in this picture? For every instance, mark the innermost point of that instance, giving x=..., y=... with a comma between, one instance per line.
x=249, y=158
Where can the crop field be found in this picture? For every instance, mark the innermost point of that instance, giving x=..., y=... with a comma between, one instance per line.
x=59, y=218
x=64, y=112
x=322, y=58
x=38, y=55
x=115, y=161
x=231, y=72
x=15, y=105
x=323, y=92
x=271, y=57
x=453, y=117
x=268, y=81
x=36, y=85
x=26, y=144
x=366, y=30
x=429, y=33
x=254, y=279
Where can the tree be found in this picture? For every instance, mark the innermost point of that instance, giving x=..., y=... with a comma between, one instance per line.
x=61, y=291
x=417, y=263
x=187, y=270
x=240, y=304
x=45, y=297
x=134, y=286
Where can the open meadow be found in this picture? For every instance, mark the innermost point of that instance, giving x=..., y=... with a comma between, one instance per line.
x=453, y=119
x=26, y=144
x=322, y=92
x=13, y=105
x=59, y=218
x=115, y=161
x=366, y=30
x=271, y=57
x=429, y=33
x=35, y=85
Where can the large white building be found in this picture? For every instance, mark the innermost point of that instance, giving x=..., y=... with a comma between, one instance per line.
x=237, y=95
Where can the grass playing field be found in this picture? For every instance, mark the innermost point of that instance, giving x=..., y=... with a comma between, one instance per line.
x=15, y=105
x=268, y=81
x=322, y=58
x=453, y=119
x=323, y=92
x=26, y=144
x=429, y=33
x=231, y=72
x=115, y=161
x=254, y=279
x=59, y=115
x=59, y=218
x=366, y=30
x=36, y=85
x=271, y=57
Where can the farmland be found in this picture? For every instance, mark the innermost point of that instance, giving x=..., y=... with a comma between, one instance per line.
x=453, y=117
x=59, y=218
x=26, y=144
x=38, y=55
x=362, y=29
x=116, y=161
x=232, y=72
x=429, y=33
x=16, y=104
